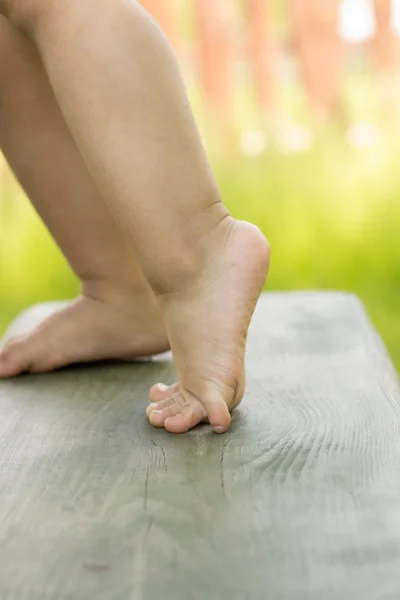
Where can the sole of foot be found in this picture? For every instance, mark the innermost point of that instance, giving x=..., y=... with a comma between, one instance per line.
x=85, y=330
x=207, y=323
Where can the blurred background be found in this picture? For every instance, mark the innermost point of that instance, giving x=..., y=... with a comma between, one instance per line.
x=298, y=105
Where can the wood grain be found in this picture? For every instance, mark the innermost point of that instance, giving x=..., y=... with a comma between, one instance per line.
x=299, y=501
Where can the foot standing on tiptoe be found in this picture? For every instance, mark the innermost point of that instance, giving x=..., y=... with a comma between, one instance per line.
x=119, y=88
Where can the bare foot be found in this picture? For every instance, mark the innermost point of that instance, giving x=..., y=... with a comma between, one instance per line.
x=207, y=323
x=101, y=324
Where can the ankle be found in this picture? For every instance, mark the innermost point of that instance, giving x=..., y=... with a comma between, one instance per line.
x=189, y=255
x=118, y=292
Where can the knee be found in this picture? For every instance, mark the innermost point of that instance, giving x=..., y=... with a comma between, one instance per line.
x=24, y=13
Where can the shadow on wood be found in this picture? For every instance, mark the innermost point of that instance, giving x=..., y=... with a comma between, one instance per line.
x=300, y=500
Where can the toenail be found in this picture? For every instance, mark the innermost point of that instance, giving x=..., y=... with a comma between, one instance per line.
x=162, y=387
x=219, y=429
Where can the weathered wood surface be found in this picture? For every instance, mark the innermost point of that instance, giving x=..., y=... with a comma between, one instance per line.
x=299, y=501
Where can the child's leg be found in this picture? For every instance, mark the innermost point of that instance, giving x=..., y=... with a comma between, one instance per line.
x=117, y=315
x=119, y=87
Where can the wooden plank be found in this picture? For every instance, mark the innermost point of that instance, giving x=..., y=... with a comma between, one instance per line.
x=300, y=500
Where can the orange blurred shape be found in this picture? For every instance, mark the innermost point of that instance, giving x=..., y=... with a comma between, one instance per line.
x=213, y=24
x=261, y=52
x=162, y=11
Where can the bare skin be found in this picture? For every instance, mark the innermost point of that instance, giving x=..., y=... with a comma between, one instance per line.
x=140, y=143
x=117, y=315
x=215, y=311
x=86, y=330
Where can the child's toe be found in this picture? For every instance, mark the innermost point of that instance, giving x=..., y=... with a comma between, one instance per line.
x=158, y=412
x=178, y=412
x=159, y=391
x=13, y=358
x=191, y=415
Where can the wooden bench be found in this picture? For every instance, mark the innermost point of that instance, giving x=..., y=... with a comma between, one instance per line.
x=300, y=500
